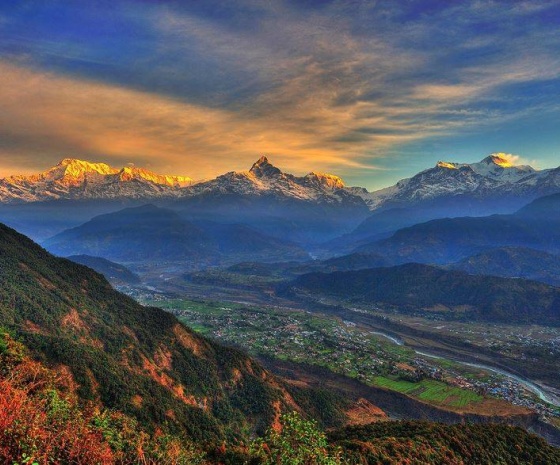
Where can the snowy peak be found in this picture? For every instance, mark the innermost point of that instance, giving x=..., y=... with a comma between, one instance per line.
x=264, y=179
x=262, y=168
x=499, y=159
x=73, y=172
x=72, y=178
x=447, y=165
x=329, y=181
x=497, y=174
x=501, y=165
x=77, y=168
x=132, y=173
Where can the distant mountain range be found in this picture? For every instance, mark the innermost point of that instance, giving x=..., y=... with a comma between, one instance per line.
x=494, y=176
x=77, y=179
x=310, y=210
x=494, y=185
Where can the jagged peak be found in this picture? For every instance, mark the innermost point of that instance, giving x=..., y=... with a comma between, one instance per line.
x=263, y=168
x=263, y=160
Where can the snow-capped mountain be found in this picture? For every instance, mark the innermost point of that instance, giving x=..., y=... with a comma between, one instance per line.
x=77, y=179
x=495, y=175
x=264, y=179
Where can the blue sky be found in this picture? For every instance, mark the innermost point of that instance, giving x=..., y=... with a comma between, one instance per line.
x=373, y=91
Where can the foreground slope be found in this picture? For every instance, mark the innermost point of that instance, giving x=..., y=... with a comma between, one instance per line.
x=122, y=355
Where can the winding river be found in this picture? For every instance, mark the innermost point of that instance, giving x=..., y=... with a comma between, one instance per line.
x=529, y=385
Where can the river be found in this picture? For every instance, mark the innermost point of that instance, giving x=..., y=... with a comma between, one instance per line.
x=528, y=384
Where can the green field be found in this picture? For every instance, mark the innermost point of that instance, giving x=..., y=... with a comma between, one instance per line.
x=430, y=391
x=318, y=339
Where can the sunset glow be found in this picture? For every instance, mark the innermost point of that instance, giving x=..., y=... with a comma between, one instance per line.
x=372, y=91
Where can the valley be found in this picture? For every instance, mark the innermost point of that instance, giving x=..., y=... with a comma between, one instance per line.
x=383, y=351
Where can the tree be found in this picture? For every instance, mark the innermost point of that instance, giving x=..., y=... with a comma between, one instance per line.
x=298, y=442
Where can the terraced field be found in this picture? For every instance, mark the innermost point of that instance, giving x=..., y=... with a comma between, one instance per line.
x=431, y=391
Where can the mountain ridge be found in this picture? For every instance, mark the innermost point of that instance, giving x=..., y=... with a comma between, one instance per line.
x=497, y=174
x=71, y=178
x=447, y=240
x=148, y=232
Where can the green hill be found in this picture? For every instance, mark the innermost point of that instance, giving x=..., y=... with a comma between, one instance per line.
x=395, y=443
x=135, y=359
x=453, y=293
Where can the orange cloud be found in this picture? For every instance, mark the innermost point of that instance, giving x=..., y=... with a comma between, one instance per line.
x=54, y=117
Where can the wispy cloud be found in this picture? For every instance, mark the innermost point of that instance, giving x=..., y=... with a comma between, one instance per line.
x=199, y=88
x=59, y=117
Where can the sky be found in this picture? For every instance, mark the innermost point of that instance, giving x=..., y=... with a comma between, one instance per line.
x=373, y=91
